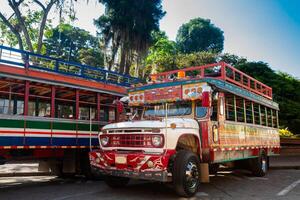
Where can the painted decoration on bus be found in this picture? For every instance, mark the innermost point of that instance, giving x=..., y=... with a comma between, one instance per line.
x=165, y=94
x=192, y=91
x=136, y=98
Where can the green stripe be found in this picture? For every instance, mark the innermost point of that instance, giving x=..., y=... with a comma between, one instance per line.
x=38, y=124
x=46, y=125
x=11, y=123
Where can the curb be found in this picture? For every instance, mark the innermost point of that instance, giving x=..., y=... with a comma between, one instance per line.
x=15, y=174
x=285, y=167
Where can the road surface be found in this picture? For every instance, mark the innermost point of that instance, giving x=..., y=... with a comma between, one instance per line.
x=278, y=184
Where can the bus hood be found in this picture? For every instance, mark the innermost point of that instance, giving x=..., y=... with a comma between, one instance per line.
x=180, y=123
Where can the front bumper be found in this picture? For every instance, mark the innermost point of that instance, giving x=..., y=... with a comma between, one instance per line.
x=132, y=165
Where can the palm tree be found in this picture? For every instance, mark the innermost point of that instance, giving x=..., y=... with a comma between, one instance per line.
x=126, y=28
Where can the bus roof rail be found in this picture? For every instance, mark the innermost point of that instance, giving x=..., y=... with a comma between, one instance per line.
x=220, y=70
x=28, y=60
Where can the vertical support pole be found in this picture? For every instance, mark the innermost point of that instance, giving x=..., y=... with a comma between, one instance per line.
x=53, y=91
x=259, y=110
x=117, y=116
x=253, y=114
x=77, y=104
x=234, y=104
x=202, y=72
x=223, y=71
x=98, y=106
x=277, y=119
x=266, y=114
x=26, y=97
x=272, y=124
x=245, y=111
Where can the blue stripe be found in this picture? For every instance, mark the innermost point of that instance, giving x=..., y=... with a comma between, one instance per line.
x=11, y=141
x=37, y=141
x=86, y=142
x=63, y=141
x=46, y=141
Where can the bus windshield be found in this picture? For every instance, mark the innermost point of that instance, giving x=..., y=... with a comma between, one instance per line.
x=174, y=109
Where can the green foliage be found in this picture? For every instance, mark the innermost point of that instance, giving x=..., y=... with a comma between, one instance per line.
x=73, y=44
x=162, y=55
x=27, y=20
x=195, y=59
x=199, y=35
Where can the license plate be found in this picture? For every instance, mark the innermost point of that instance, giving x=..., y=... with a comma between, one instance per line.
x=121, y=159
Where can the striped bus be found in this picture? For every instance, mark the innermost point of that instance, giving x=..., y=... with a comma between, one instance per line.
x=52, y=110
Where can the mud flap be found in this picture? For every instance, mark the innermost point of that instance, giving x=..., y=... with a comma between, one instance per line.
x=204, y=173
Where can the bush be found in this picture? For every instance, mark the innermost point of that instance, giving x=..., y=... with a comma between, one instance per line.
x=285, y=133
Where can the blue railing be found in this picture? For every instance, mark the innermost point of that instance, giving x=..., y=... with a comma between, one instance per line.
x=34, y=61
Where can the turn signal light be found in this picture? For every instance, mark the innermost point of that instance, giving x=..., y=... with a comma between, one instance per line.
x=173, y=125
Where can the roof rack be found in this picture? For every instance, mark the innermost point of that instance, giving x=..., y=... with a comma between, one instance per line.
x=28, y=60
x=222, y=71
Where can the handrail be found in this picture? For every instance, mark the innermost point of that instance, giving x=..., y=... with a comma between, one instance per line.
x=34, y=61
x=221, y=71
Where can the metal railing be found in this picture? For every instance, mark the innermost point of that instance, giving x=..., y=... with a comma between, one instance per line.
x=25, y=59
x=221, y=71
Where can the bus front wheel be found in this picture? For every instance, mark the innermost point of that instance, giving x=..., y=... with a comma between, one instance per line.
x=186, y=173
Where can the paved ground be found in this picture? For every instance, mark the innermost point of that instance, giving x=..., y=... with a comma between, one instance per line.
x=278, y=184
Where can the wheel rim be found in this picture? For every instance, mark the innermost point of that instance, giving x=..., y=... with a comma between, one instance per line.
x=264, y=164
x=191, y=175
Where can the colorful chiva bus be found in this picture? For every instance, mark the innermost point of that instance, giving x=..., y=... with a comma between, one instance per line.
x=188, y=122
x=52, y=110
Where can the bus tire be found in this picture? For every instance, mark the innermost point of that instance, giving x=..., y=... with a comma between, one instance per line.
x=116, y=182
x=259, y=165
x=186, y=176
x=214, y=168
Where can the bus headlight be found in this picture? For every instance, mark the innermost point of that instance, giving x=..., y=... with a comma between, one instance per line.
x=104, y=140
x=157, y=140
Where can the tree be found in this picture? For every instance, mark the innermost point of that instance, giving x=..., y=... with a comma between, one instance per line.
x=27, y=25
x=199, y=35
x=162, y=56
x=126, y=27
x=73, y=44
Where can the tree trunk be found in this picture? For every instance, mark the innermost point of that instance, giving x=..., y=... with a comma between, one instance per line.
x=15, y=6
x=43, y=22
x=122, y=60
x=13, y=30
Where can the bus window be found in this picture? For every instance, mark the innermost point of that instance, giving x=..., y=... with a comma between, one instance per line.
x=31, y=108
x=86, y=112
x=274, y=118
x=44, y=109
x=214, y=116
x=249, y=114
x=229, y=107
x=240, y=109
x=263, y=115
x=65, y=111
x=4, y=106
x=256, y=113
x=269, y=117
x=200, y=110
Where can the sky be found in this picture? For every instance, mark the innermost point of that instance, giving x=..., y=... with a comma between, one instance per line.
x=259, y=30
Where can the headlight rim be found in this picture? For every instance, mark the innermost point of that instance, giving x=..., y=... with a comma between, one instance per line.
x=161, y=144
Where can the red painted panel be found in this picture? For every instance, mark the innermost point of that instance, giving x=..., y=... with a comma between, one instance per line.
x=166, y=94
